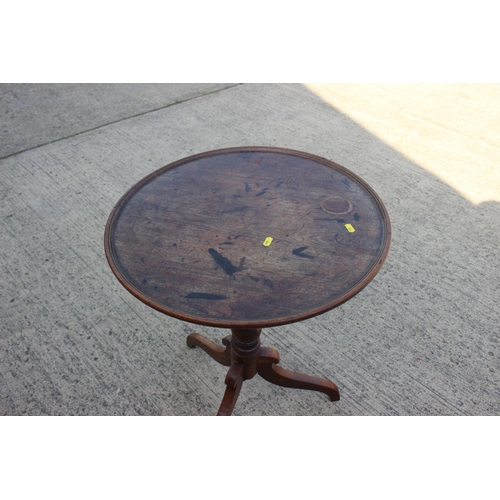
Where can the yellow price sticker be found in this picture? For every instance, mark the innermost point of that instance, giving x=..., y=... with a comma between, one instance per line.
x=350, y=228
x=267, y=241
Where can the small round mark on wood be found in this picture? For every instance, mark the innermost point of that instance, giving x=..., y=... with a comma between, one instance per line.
x=336, y=205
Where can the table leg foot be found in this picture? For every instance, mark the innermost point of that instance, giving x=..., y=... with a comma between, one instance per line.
x=234, y=381
x=221, y=354
x=269, y=370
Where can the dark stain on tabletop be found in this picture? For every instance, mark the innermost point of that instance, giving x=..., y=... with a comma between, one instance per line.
x=206, y=296
x=224, y=263
x=268, y=283
x=299, y=252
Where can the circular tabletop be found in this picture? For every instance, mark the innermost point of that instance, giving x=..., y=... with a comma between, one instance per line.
x=247, y=237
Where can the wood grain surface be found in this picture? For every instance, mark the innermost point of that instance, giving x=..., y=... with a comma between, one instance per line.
x=188, y=240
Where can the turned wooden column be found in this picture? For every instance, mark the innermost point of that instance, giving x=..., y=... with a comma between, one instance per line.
x=245, y=349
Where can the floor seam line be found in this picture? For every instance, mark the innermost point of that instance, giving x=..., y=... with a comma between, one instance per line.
x=92, y=129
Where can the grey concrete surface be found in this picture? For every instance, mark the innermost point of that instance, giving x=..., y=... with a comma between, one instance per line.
x=421, y=339
x=35, y=114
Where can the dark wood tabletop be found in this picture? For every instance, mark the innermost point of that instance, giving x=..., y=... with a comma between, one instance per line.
x=247, y=237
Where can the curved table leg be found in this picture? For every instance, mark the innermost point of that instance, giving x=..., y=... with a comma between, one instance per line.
x=234, y=381
x=269, y=370
x=221, y=354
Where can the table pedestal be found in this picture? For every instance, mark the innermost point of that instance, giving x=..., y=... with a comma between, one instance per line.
x=246, y=358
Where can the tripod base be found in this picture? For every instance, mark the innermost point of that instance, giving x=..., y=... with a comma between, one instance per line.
x=246, y=358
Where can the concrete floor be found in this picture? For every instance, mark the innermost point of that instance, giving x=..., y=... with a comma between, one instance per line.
x=421, y=339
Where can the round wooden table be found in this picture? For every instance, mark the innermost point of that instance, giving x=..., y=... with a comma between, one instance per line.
x=247, y=238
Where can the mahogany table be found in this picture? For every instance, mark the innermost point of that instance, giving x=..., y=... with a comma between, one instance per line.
x=248, y=238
